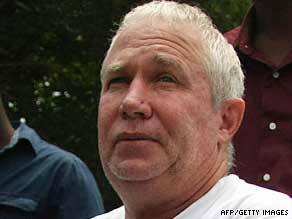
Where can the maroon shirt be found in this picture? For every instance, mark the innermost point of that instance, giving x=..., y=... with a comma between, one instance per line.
x=263, y=144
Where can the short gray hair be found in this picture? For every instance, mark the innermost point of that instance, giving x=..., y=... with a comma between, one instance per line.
x=218, y=57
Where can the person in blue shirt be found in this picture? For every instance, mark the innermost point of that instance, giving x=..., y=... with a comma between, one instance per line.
x=40, y=180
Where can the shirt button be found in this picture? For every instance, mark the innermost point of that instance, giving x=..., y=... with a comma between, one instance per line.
x=276, y=74
x=272, y=126
x=267, y=177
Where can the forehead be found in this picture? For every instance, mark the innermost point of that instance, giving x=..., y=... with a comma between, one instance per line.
x=179, y=41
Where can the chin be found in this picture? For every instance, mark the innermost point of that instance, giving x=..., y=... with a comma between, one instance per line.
x=137, y=170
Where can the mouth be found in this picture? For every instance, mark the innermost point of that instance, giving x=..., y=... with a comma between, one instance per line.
x=136, y=136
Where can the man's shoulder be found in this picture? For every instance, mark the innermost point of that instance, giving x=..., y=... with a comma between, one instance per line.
x=118, y=213
x=64, y=162
x=51, y=156
x=74, y=181
x=233, y=35
x=232, y=197
x=52, y=150
x=266, y=197
x=44, y=148
x=259, y=202
x=248, y=196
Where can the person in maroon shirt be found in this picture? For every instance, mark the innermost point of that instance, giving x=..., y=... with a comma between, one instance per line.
x=263, y=144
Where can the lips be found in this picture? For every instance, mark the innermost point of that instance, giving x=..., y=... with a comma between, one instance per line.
x=126, y=136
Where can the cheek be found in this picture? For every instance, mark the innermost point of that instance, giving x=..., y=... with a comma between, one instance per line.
x=180, y=119
x=107, y=114
x=181, y=131
x=190, y=125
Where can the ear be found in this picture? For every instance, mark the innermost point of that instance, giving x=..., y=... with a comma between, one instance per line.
x=231, y=116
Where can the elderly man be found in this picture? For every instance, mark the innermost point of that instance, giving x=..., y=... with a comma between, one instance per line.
x=170, y=104
x=263, y=143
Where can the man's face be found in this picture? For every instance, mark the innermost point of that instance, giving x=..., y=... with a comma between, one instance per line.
x=156, y=116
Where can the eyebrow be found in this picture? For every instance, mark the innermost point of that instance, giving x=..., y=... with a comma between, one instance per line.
x=160, y=59
x=112, y=69
x=166, y=61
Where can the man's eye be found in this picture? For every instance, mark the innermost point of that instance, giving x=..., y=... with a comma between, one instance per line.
x=119, y=80
x=167, y=79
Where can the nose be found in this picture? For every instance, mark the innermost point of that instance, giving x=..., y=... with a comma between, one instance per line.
x=135, y=103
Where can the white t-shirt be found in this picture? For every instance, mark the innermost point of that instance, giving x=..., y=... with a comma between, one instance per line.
x=231, y=198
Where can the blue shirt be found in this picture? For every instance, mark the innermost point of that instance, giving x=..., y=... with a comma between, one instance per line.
x=40, y=180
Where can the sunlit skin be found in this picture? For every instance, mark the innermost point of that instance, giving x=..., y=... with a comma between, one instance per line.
x=161, y=142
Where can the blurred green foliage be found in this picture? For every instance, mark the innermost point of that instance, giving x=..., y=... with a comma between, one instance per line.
x=50, y=56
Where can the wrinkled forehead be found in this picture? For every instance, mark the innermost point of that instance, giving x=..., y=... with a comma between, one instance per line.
x=157, y=28
x=147, y=32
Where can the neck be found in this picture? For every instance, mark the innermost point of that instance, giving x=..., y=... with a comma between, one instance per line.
x=274, y=17
x=148, y=200
x=6, y=129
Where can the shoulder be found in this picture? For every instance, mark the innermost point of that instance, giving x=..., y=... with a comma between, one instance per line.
x=259, y=196
x=252, y=196
x=65, y=164
x=55, y=154
x=235, y=198
x=118, y=213
x=59, y=163
x=54, y=159
x=43, y=149
x=233, y=35
x=72, y=182
x=65, y=178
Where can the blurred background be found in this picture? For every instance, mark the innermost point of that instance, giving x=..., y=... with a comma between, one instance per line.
x=50, y=56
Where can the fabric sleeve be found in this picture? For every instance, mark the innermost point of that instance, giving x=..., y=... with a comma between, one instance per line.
x=78, y=196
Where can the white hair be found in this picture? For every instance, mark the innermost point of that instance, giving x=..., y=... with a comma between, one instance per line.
x=217, y=56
